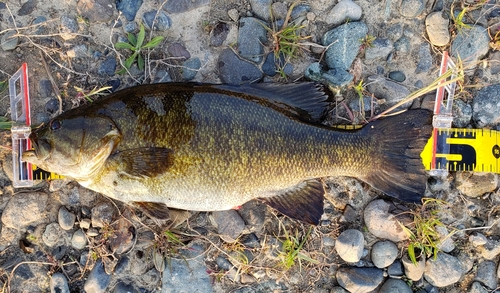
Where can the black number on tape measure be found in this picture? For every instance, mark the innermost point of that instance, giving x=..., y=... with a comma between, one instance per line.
x=496, y=151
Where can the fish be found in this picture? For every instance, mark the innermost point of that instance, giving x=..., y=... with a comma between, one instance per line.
x=212, y=147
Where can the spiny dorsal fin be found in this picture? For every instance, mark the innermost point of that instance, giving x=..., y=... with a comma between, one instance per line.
x=155, y=210
x=303, y=202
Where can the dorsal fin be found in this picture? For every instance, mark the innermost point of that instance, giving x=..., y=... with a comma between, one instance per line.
x=305, y=101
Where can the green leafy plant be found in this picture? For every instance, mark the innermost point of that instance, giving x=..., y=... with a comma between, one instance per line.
x=5, y=123
x=367, y=42
x=166, y=245
x=424, y=238
x=291, y=251
x=495, y=42
x=135, y=44
x=459, y=19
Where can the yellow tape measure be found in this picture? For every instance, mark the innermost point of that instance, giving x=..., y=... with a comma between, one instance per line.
x=39, y=174
x=459, y=149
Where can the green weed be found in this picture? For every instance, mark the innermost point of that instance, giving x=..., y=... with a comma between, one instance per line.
x=292, y=245
x=167, y=245
x=367, y=42
x=94, y=92
x=5, y=123
x=135, y=44
x=459, y=19
x=424, y=238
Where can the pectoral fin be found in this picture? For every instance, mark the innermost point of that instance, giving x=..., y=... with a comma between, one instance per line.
x=303, y=202
x=142, y=162
x=156, y=210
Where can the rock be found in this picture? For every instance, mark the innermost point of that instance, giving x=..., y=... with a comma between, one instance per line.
x=413, y=271
x=494, y=62
x=334, y=76
x=384, y=253
x=462, y=113
x=162, y=76
x=45, y=88
x=124, y=288
x=398, y=76
x=52, y=235
x=129, y=8
x=475, y=184
x=27, y=7
x=108, y=66
x=476, y=287
x=59, y=284
x=347, y=38
x=102, y=214
x=219, y=34
x=395, y=270
x=359, y=279
x=411, y=8
x=9, y=41
x=254, y=215
x=344, y=10
x=490, y=250
x=395, y=285
x=279, y=10
x=485, y=107
x=424, y=58
x=487, y=274
x=179, y=6
x=251, y=37
x=477, y=239
x=79, y=240
x=177, y=50
x=85, y=223
x=389, y=90
x=300, y=10
x=229, y=224
x=446, y=244
x=379, y=49
x=96, y=10
x=233, y=14
x=66, y=219
x=470, y=45
x=190, y=69
x=443, y=271
x=69, y=27
x=349, y=245
x=250, y=240
x=262, y=8
x=25, y=209
x=233, y=70
x=78, y=51
x=161, y=20
x=97, y=280
x=436, y=27
x=402, y=45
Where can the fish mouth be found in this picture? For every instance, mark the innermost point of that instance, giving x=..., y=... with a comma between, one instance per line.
x=41, y=146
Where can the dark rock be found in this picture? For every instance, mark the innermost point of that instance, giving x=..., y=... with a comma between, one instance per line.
x=380, y=48
x=334, y=76
x=347, y=44
x=114, y=84
x=162, y=76
x=279, y=10
x=27, y=7
x=262, y=8
x=161, y=19
x=411, y=8
x=102, y=214
x=462, y=113
x=394, y=32
x=45, y=88
x=251, y=37
x=395, y=269
x=233, y=70
x=424, y=58
x=177, y=50
x=398, y=76
x=59, y=252
x=273, y=65
x=229, y=224
x=130, y=27
x=250, y=240
x=9, y=41
x=355, y=279
x=124, y=288
x=254, y=215
x=300, y=10
x=402, y=45
x=389, y=90
x=191, y=67
x=40, y=21
x=97, y=280
x=471, y=44
x=223, y=263
x=129, y=8
x=108, y=66
x=59, y=283
x=395, y=285
x=487, y=274
x=2, y=5
x=66, y=219
x=96, y=10
x=476, y=287
x=219, y=34
x=69, y=27
x=485, y=107
x=178, y=6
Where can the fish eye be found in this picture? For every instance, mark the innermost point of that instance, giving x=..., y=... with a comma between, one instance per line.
x=55, y=124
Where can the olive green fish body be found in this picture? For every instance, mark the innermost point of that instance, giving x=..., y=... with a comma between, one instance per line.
x=208, y=147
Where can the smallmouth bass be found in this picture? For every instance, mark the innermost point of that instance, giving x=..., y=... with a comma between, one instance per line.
x=214, y=147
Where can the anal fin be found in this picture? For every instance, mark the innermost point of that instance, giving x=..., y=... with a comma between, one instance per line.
x=303, y=202
x=155, y=210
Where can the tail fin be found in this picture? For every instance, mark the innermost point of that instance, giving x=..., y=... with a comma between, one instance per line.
x=398, y=170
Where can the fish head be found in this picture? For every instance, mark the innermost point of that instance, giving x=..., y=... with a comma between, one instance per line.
x=73, y=146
